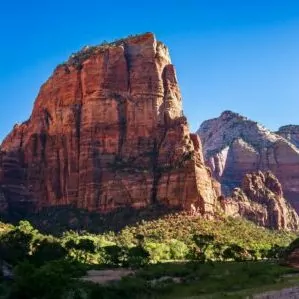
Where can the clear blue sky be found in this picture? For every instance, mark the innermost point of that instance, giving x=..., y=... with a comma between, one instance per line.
x=228, y=55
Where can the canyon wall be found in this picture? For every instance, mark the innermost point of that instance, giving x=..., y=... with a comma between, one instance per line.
x=107, y=131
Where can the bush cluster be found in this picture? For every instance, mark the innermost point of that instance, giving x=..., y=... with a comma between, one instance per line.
x=41, y=260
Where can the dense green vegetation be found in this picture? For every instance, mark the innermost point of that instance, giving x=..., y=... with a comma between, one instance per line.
x=197, y=280
x=172, y=256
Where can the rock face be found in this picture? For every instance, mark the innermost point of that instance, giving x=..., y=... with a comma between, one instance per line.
x=14, y=195
x=260, y=199
x=291, y=133
x=107, y=131
x=234, y=146
x=3, y=201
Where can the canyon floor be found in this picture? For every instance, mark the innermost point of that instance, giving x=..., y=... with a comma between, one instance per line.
x=257, y=280
x=286, y=293
x=276, y=291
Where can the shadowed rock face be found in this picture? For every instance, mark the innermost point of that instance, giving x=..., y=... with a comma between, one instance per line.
x=234, y=146
x=260, y=199
x=107, y=131
x=14, y=195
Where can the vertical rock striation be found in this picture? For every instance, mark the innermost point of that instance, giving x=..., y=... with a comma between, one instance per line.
x=107, y=131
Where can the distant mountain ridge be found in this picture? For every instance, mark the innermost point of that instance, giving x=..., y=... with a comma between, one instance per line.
x=234, y=145
x=291, y=133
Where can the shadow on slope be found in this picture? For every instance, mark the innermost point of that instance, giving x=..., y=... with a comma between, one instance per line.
x=56, y=220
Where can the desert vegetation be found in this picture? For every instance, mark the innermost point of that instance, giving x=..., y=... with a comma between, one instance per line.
x=170, y=257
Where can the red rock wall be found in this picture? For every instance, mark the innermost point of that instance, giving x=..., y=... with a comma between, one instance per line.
x=107, y=131
x=261, y=200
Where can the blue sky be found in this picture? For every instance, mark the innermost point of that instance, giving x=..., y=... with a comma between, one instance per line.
x=228, y=55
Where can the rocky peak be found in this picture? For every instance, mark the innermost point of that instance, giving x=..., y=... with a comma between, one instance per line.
x=107, y=131
x=234, y=145
x=291, y=133
x=146, y=39
x=289, y=129
x=220, y=132
x=228, y=115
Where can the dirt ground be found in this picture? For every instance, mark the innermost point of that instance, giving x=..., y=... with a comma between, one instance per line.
x=287, y=293
x=106, y=276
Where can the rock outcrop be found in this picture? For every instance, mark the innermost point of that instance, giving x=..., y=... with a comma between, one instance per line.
x=291, y=133
x=107, y=131
x=234, y=146
x=260, y=199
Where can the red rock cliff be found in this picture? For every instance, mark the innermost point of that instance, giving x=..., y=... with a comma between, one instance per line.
x=107, y=131
x=260, y=199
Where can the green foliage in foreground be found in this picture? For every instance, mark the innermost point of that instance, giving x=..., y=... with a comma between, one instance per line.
x=169, y=280
x=46, y=266
x=196, y=279
x=174, y=237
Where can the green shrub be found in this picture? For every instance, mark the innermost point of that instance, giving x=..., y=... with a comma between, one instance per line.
x=178, y=249
x=158, y=251
x=236, y=253
x=47, y=250
x=47, y=282
x=15, y=246
x=115, y=255
x=137, y=257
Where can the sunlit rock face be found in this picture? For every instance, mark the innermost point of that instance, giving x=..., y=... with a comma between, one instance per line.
x=107, y=131
x=234, y=146
x=291, y=133
x=260, y=199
